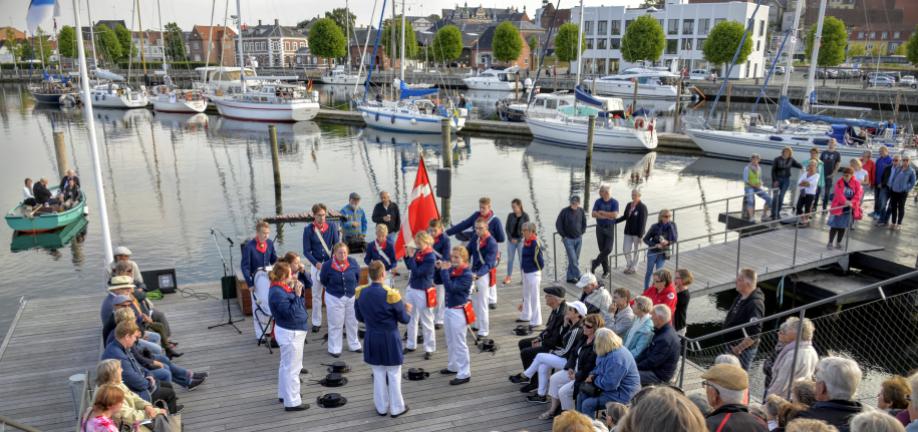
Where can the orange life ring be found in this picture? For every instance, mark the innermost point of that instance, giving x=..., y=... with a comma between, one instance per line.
x=639, y=122
x=188, y=97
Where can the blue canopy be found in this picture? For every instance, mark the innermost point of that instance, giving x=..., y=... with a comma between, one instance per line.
x=787, y=110
x=61, y=78
x=588, y=99
x=406, y=92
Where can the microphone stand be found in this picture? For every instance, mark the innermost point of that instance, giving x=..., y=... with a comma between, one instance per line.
x=228, y=273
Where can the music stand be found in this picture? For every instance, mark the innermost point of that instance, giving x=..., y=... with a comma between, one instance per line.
x=227, y=285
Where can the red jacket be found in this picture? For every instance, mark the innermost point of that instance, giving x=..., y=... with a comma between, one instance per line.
x=839, y=199
x=667, y=297
x=870, y=167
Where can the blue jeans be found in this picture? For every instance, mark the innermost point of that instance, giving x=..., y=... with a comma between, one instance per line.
x=170, y=372
x=750, y=192
x=588, y=405
x=882, y=203
x=827, y=193
x=154, y=347
x=513, y=251
x=572, y=248
x=783, y=185
x=655, y=261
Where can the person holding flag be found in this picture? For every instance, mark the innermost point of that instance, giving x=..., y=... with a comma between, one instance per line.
x=422, y=263
x=422, y=208
x=482, y=248
x=318, y=238
x=495, y=228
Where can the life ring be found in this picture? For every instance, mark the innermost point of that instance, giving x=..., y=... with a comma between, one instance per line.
x=639, y=122
x=188, y=97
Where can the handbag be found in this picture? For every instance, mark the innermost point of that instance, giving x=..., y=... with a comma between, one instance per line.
x=167, y=423
x=431, y=297
x=469, y=313
x=590, y=389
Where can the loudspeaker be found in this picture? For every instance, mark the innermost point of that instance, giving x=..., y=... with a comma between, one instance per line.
x=163, y=280
x=444, y=183
x=228, y=285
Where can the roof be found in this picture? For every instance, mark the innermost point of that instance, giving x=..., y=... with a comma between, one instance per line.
x=271, y=30
x=17, y=34
x=219, y=32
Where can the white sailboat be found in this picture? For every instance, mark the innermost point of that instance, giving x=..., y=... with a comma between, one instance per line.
x=167, y=97
x=115, y=94
x=652, y=84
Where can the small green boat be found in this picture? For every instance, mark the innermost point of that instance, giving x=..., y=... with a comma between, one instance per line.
x=47, y=240
x=45, y=221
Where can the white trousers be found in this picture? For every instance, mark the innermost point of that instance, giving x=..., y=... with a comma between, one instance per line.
x=291, y=361
x=317, y=290
x=559, y=381
x=420, y=314
x=387, y=389
x=543, y=364
x=480, y=304
x=457, y=350
x=532, y=311
x=341, y=316
x=441, y=305
x=631, y=246
x=492, y=292
x=260, y=299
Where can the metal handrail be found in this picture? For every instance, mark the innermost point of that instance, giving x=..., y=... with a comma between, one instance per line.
x=85, y=400
x=6, y=421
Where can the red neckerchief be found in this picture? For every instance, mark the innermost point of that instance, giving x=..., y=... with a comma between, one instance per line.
x=381, y=245
x=486, y=217
x=528, y=240
x=340, y=267
x=261, y=246
x=437, y=238
x=284, y=286
x=483, y=241
x=458, y=270
x=419, y=256
x=322, y=228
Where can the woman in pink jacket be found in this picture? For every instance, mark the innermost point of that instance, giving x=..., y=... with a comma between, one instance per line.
x=846, y=206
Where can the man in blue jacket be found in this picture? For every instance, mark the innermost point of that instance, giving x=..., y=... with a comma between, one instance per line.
x=134, y=376
x=318, y=239
x=657, y=363
x=483, y=249
x=257, y=255
x=495, y=228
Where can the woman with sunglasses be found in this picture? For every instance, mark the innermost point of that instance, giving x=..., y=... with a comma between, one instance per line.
x=565, y=383
x=659, y=239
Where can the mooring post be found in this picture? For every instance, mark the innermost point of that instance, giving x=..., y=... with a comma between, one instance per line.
x=60, y=153
x=447, y=154
x=588, y=165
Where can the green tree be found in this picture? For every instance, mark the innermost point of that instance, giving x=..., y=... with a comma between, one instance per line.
x=643, y=40
x=107, y=45
x=411, y=43
x=175, y=43
x=128, y=50
x=566, y=42
x=15, y=47
x=902, y=49
x=857, y=51
x=833, y=43
x=875, y=51
x=507, y=43
x=912, y=51
x=447, y=44
x=533, y=43
x=722, y=42
x=326, y=39
x=37, y=48
x=66, y=42
x=343, y=18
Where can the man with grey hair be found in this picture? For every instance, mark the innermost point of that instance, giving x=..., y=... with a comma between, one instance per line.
x=595, y=296
x=657, y=363
x=784, y=364
x=748, y=307
x=725, y=387
x=837, y=380
x=605, y=211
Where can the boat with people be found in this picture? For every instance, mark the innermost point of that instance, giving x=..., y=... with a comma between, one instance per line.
x=652, y=83
x=53, y=89
x=35, y=219
x=507, y=79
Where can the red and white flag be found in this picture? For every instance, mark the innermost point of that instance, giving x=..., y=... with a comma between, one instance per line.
x=422, y=208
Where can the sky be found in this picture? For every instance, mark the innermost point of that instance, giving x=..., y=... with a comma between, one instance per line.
x=190, y=12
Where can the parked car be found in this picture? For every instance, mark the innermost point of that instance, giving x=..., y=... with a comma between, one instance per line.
x=779, y=70
x=882, y=81
x=908, y=81
x=698, y=75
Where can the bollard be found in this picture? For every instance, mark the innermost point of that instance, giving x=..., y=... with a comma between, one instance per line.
x=275, y=162
x=60, y=152
x=76, y=383
x=588, y=165
x=447, y=154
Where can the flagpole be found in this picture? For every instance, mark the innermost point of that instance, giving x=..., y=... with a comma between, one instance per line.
x=93, y=144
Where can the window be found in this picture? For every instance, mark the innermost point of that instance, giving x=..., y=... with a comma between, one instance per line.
x=672, y=45
x=628, y=23
x=615, y=43
x=873, y=35
x=758, y=45
x=688, y=26
x=588, y=27
x=700, y=44
x=673, y=27
x=589, y=43
x=616, y=27
x=602, y=28
x=686, y=44
x=897, y=35
x=885, y=36
x=860, y=35
x=704, y=25
x=761, y=27
x=719, y=20
x=601, y=43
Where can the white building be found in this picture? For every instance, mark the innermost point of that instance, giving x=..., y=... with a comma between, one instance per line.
x=686, y=26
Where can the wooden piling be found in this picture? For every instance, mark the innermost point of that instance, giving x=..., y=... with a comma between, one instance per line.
x=588, y=164
x=447, y=154
x=60, y=153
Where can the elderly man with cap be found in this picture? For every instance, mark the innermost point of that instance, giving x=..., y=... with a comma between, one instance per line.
x=123, y=254
x=595, y=296
x=121, y=293
x=725, y=387
x=657, y=363
x=550, y=337
x=571, y=224
x=354, y=226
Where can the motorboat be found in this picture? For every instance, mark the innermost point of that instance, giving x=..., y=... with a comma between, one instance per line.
x=496, y=79
x=269, y=103
x=652, y=83
x=224, y=80
x=53, y=89
x=117, y=95
x=340, y=76
x=174, y=100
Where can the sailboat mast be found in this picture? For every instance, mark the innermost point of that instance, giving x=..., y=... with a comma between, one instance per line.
x=239, y=37
x=93, y=144
x=143, y=60
x=162, y=36
x=347, y=35
x=401, y=61
x=814, y=58
x=92, y=35
x=792, y=47
x=579, y=46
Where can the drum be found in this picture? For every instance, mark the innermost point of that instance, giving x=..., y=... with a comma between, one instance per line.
x=261, y=310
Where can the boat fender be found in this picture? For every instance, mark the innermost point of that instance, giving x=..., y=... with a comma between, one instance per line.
x=188, y=97
x=377, y=116
x=639, y=122
x=414, y=121
x=393, y=119
x=775, y=138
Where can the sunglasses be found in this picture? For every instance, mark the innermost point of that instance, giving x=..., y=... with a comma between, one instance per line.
x=588, y=327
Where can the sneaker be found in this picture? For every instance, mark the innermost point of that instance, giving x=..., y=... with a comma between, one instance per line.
x=507, y=280
x=458, y=381
x=537, y=399
x=195, y=383
x=335, y=355
x=199, y=375
x=519, y=379
x=447, y=372
x=300, y=407
x=572, y=281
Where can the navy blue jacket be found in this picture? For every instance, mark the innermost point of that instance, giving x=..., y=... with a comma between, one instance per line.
x=132, y=374
x=659, y=231
x=531, y=259
x=482, y=262
x=340, y=283
x=374, y=254
x=252, y=259
x=312, y=247
x=662, y=354
x=494, y=226
x=442, y=246
x=289, y=310
x=456, y=289
x=381, y=309
x=422, y=273
x=610, y=206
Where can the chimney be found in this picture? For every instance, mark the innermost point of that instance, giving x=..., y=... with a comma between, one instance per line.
x=259, y=23
x=276, y=23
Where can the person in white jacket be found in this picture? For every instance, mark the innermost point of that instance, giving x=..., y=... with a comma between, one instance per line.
x=807, y=358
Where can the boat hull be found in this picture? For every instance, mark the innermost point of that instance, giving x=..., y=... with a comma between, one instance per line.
x=497, y=85
x=287, y=112
x=49, y=98
x=625, y=89
x=385, y=118
x=105, y=100
x=341, y=80
x=180, y=106
x=574, y=134
x=55, y=239
x=740, y=145
x=44, y=222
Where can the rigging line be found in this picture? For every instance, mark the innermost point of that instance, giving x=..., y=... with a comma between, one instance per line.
x=368, y=166
x=44, y=142
x=253, y=201
x=221, y=178
x=210, y=39
x=111, y=182
x=146, y=158
x=178, y=194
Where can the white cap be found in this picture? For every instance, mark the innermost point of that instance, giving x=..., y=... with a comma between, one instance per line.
x=122, y=250
x=579, y=307
x=586, y=279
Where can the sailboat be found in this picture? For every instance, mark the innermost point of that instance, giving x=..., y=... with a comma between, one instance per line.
x=169, y=98
x=651, y=84
x=341, y=75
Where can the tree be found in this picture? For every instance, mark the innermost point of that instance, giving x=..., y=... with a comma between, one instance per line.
x=875, y=51
x=722, y=42
x=128, y=50
x=107, y=45
x=566, y=42
x=342, y=17
x=912, y=51
x=902, y=49
x=327, y=40
x=447, y=44
x=651, y=3
x=833, y=43
x=643, y=40
x=66, y=42
x=857, y=51
x=15, y=47
x=37, y=48
x=411, y=43
x=174, y=43
x=507, y=43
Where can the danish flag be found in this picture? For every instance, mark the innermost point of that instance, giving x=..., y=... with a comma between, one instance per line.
x=422, y=208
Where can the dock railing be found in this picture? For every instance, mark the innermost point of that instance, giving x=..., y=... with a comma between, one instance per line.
x=879, y=334
x=8, y=422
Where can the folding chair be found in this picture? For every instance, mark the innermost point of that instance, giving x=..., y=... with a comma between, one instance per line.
x=267, y=328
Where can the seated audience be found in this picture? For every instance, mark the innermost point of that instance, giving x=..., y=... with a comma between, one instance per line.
x=550, y=337
x=893, y=396
x=572, y=421
x=726, y=386
x=123, y=254
x=134, y=376
x=700, y=399
x=809, y=425
x=621, y=311
x=134, y=409
x=595, y=296
x=662, y=291
x=556, y=358
x=657, y=363
x=662, y=409
x=105, y=404
x=837, y=380
x=564, y=385
x=784, y=364
x=788, y=413
x=613, y=414
x=913, y=404
x=804, y=392
x=875, y=421
x=773, y=405
x=615, y=376
x=641, y=331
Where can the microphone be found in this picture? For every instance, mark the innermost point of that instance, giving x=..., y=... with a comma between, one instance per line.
x=230, y=241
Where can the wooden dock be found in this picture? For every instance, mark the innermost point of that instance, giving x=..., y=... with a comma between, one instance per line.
x=56, y=338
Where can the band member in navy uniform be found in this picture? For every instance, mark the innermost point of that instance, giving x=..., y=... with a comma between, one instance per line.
x=383, y=249
x=422, y=263
x=483, y=249
x=531, y=263
x=441, y=246
x=291, y=324
x=457, y=282
x=340, y=276
x=381, y=309
x=257, y=256
x=496, y=228
x=318, y=238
